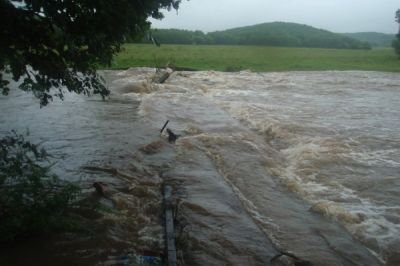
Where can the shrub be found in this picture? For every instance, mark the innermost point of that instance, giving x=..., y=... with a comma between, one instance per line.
x=396, y=46
x=32, y=200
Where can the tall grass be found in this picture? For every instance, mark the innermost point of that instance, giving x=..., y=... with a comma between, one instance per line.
x=255, y=58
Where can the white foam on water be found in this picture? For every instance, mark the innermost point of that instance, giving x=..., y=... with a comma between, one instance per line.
x=377, y=157
x=323, y=144
x=317, y=123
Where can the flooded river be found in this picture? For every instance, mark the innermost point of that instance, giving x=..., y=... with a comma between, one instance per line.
x=298, y=163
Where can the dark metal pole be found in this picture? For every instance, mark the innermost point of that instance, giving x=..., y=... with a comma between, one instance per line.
x=169, y=227
x=166, y=123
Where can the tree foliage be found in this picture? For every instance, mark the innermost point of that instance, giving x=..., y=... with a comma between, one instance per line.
x=270, y=34
x=32, y=199
x=396, y=42
x=59, y=43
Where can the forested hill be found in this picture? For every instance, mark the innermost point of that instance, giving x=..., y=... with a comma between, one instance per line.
x=268, y=34
x=376, y=39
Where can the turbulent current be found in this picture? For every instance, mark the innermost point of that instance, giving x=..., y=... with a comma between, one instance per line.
x=298, y=164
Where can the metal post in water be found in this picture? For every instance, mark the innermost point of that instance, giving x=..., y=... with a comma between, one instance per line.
x=169, y=227
x=166, y=123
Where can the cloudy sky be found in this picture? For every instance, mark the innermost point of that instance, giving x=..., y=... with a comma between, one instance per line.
x=333, y=15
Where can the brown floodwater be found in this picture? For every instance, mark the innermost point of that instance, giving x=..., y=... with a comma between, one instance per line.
x=306, y=163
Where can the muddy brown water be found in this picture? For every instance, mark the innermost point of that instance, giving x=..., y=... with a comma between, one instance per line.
x=306, y=163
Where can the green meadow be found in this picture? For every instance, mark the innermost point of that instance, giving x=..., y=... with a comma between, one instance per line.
x=255, y=58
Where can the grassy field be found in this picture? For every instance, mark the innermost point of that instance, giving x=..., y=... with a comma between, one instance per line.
x=255, y=58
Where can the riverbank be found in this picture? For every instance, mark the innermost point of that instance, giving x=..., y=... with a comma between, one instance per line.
x=255, y=58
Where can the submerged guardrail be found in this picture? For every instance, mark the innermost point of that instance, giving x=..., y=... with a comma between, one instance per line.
x=169, y=227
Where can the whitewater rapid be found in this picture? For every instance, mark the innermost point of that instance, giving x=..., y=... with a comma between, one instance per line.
x=328, y=138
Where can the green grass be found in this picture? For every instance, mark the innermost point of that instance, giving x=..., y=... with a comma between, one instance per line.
x=255, y=58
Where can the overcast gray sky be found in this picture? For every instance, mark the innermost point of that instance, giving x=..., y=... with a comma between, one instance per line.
x=332, y=15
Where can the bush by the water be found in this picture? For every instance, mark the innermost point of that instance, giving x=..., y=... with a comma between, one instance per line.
x=396, y=45
x=32, y=200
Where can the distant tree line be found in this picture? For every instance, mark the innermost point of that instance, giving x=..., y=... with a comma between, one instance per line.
x=376, y=39
x=268, y=34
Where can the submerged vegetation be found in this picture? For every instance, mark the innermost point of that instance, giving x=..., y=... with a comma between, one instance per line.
x=255, y=58
x=32, y=199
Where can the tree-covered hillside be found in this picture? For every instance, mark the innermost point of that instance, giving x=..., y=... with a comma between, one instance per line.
x=268, y=34
x=376, y=39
